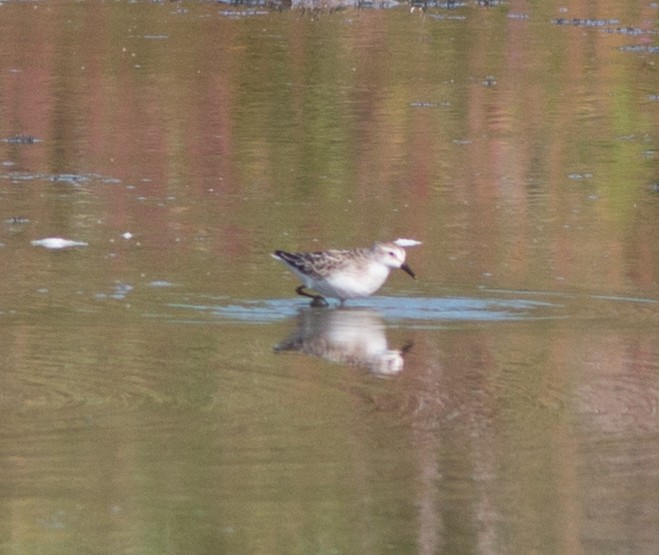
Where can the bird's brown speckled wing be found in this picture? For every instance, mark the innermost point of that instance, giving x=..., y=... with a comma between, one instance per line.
x=316, y=265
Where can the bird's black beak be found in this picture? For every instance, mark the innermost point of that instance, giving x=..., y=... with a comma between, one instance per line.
x=408, y=270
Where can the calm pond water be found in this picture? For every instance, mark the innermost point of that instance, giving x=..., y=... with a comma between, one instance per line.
x=163, y=389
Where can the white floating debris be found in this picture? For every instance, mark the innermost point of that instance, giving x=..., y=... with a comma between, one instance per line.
x=127, y=235
x=162, y=283
x=406, y=242
x=57, y=243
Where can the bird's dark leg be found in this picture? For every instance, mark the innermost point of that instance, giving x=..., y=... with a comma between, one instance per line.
x=300, y=291
x=318, y=300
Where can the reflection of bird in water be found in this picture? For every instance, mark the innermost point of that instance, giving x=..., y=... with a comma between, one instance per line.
x=350, y=337
x=346, y=274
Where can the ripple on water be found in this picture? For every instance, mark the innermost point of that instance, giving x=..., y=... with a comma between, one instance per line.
x=620, y=398
x=425, y=311
x=616, y=406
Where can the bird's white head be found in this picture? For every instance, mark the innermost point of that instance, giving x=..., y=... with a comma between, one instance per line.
x=391, y=255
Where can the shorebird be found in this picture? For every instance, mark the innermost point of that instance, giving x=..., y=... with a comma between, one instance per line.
x=346, y=274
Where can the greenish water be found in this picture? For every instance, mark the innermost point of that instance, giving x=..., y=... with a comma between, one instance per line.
x=163, y=388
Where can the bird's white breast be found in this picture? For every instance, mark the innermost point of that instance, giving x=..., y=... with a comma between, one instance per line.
x=351, y=284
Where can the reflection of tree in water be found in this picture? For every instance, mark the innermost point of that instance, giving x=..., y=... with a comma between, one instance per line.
x=354, y=337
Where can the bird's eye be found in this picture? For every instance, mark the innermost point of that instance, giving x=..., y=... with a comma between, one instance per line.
x=392, y=253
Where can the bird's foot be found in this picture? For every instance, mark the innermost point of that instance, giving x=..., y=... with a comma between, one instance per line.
x=319, y=302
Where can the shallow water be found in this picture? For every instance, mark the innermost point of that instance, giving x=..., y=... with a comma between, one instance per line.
x=165, y=390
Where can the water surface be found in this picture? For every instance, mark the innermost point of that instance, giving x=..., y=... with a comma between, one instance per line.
x=163, y=388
